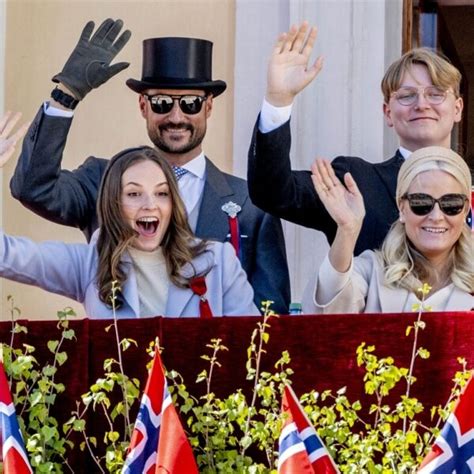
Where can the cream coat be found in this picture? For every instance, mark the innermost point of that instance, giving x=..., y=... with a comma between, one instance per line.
x=365, y=292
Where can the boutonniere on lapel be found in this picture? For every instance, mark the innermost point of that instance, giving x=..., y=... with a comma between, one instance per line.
x=232, y=209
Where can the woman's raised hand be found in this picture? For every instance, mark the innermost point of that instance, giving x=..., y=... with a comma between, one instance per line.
x=8, y=138
x=345, y=204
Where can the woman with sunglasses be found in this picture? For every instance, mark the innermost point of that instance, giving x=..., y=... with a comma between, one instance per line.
x=143, y=260
x=430, y=243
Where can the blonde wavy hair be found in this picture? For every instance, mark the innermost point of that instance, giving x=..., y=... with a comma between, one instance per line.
x=442, y=73
x=406, y=267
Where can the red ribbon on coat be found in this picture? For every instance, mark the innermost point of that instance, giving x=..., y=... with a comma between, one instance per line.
x=235, y=235
x=232, y=209
x=199, y=287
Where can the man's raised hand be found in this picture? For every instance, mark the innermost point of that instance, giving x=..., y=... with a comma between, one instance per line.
x=288, y=70
x=89, y=64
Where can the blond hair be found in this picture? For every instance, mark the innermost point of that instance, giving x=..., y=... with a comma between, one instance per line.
x=440, y=69
x=404, y=266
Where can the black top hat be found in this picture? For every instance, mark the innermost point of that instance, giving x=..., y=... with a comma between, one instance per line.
x=177, y=63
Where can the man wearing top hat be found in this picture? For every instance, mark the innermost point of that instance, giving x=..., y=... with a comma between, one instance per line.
x=176, y=95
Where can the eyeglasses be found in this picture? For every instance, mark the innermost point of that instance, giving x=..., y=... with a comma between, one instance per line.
x=409, y=95
x=163, y=104
x=422, y=204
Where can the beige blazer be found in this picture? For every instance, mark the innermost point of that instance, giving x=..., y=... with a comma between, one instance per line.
x=365, y=292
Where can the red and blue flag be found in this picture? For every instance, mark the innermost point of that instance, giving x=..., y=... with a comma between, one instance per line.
x=15, y=459
x=300, y=448
x=453, y=450
x=159, y=443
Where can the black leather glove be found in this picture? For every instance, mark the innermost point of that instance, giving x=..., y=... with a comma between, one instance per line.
x=89, y=64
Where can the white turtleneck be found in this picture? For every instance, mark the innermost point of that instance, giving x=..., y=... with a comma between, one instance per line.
x=152, y=280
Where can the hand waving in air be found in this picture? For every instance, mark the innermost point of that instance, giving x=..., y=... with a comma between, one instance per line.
x=89, y=64
x=288, y=69
x=8, y=140
x=345, y=205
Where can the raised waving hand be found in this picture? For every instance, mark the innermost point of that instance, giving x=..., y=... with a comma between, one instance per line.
x=8, y=138
x=345, y=205
x=89, y=64
x=289, y=71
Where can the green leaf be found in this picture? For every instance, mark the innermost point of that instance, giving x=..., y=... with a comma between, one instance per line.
x=61, y=357
x=69, y=334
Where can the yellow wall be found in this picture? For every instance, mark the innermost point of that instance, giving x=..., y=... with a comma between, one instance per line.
x=39, y=37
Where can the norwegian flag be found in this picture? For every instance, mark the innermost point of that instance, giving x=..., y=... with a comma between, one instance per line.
x=15, y=460
x=158, y=443
x=301, y=449
x=453, y=450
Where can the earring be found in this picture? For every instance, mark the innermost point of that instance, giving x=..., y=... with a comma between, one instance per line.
x=401, y=219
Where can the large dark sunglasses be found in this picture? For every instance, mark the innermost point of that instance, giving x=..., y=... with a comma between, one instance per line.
x=163, y=104
x=422, y=204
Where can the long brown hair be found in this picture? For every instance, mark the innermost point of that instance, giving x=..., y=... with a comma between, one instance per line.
x=179, y=244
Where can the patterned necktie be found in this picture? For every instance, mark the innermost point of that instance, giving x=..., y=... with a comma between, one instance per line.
x=179, y=172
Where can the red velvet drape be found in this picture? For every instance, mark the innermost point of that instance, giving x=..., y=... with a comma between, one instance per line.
x=322, y=350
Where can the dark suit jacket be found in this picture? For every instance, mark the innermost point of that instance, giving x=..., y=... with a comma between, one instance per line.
x=69, y=198
x=290, y=195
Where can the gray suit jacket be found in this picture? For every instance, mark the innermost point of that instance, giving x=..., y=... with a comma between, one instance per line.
x=69, y=198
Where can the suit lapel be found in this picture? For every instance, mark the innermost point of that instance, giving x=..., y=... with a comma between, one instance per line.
x=216, y=192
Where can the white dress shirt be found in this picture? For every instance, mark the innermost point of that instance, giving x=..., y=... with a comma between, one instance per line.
x=272, y=117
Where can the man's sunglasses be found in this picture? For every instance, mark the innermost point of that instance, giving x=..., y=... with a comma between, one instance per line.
x=163, y=104
x=422, y=204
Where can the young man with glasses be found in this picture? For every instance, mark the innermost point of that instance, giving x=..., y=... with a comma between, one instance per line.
x=421, y=102
x=176, y=95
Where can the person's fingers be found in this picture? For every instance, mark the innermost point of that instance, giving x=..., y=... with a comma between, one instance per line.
x=319, y=187
x=334, y=180
x=324, y=168
x=290, y=37
x=309, y=43
x=277, y=49
x=315, y=170
x=101, y=33
x=20, y=133
x=122, y=41
x=351, y=185
x=300, y=38
x=9, y=124
x=6, y=155
x=318, y=169
x=113, y=31
x=4, y=120
x=315, y=69
x=87, y=32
